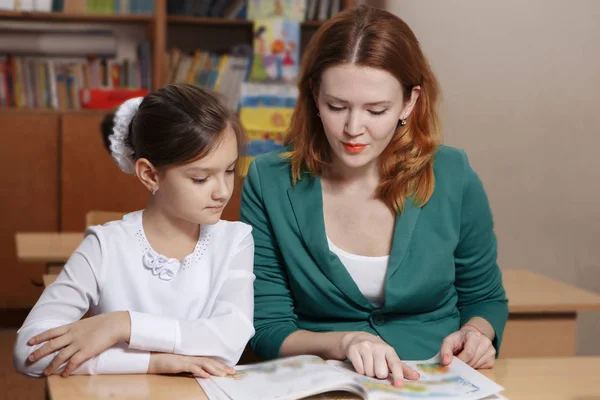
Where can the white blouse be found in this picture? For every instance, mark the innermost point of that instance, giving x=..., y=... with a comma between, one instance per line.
x=367, y=272
x=202, y=306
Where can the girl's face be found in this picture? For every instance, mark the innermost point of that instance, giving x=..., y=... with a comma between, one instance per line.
x=360, y=108
x=199, y=191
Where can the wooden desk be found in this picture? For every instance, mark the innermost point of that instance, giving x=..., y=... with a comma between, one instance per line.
x=548, y=378
x=47, y=247
x=543, y=315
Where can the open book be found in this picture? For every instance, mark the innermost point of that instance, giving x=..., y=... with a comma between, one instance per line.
x=302, y=376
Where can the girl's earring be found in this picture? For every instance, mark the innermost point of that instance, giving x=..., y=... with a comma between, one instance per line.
x=153, y=190
x=319, y=114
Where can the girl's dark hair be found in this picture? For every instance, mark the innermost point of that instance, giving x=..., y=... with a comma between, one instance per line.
x=178, y=124
x=106, y=128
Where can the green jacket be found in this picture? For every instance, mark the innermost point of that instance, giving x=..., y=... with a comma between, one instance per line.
x=442, y=269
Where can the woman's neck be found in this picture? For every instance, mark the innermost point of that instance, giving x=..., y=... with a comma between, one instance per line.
x=364, y=178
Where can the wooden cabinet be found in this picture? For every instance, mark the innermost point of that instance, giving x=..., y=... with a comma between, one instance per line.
x=55, y=170
x=28, y=195
x=90, y=179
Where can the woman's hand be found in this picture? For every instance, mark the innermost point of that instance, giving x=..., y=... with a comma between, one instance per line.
x=470, y=346
x=81, y=340
x=203, y=367
x=373, y=357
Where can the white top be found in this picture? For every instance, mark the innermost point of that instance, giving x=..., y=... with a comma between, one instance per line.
x=202, y=306
x=367, y=272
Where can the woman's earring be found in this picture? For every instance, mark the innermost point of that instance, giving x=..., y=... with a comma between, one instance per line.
x=153, y=190
x=403, y=122
x=319, y=114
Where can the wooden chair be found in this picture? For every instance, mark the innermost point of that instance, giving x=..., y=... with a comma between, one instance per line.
x=95, y=217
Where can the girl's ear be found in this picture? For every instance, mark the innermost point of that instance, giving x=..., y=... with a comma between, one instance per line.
x=147, y=174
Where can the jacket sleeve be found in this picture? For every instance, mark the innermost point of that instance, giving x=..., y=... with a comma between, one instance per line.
x=478, y=278
x=274, y=317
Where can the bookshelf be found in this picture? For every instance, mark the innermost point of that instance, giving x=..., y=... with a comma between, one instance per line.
x=63, y=169
x=161, y=27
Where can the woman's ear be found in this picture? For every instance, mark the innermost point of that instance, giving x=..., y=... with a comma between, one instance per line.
x=147, y=174
x=409, y=103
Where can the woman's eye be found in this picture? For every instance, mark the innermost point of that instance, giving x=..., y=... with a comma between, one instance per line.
x=377, y=112
x=333, y=108
x=199, y=180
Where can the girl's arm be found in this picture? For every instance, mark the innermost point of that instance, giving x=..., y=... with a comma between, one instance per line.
x=224, y=334
x=66, y=301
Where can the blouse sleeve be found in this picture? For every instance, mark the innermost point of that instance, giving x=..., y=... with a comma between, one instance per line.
x=66, y=301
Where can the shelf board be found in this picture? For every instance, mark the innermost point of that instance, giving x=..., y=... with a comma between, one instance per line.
x=184, y=19
x=35, y=111
x=67, y=17
x=225, y=22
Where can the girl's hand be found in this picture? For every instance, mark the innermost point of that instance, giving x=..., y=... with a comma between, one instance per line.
x=470, y=346
x=81, y=340
x=203, y=367
x=373, y=357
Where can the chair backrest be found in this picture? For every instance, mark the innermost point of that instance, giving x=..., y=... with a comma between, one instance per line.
x=101, y=217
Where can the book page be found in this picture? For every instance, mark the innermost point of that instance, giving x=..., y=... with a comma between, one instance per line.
x=284, y=379
x=439, y=382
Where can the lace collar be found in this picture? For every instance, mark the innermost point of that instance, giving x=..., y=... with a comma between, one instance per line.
x=164, y=267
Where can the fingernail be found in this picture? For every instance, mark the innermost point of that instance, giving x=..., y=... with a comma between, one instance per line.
x=30, y=342
x=31, y=357
x=445, y=359
x=399, y=383
x=418, y=375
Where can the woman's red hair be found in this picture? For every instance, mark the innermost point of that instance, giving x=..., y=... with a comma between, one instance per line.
x=370, y=37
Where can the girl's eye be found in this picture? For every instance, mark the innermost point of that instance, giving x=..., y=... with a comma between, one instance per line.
x=337, y=109
x=230, y=171
x=377, y=112
x=199, y=180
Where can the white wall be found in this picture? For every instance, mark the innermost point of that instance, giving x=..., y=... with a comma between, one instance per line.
x=521, y=87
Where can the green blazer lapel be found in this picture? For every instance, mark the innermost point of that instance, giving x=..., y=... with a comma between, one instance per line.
x=306, y=199
x=403, y=230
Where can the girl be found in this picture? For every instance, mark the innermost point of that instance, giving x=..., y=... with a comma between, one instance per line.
x=169, y=287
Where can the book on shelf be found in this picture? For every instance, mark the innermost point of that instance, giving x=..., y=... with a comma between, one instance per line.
x=293, y=10
x=302, y=376
x=72, y=83
x=276, y=50
x=207, y=8
x=110, y=7
x=265, y=112
x=320, y=10
x=223, y=73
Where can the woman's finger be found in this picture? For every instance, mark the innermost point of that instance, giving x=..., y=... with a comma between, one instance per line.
x=50, y=347
x=487, y=360
x=63, y=356
x=380, y=365
x=451, y=344
x=367, y=358
x=356, y=360
x=396, y=368
x=482, y=349
x=470, y=347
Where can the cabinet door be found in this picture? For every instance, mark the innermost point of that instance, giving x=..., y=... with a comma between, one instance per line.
x=90, y=179
x=28, y=196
